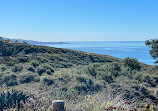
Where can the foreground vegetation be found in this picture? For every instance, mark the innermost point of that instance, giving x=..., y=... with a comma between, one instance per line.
x=85, y=81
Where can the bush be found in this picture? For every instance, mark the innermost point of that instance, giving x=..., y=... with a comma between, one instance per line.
x=138, y=77
x=27, y=78
x=150, y=80
x=40, y=70
x=156, y=78
x=48, y=81
x=37, y=79
x=35, y=63
x=1, y=79
x=92, y=69
x=23, y=59
x=81, y=79
x=48, y=71
x=86, y=84
x=10, y=63
x=132, y=63
x=31, y=69
x=10, y=80
x=116, y=67
x=3, y=68
x=45, y=68
x=17, y=68
x=108, y=78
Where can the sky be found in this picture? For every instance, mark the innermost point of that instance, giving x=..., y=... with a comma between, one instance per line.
x=79, y=20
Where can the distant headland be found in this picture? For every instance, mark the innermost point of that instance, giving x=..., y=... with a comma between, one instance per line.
x=33, y=42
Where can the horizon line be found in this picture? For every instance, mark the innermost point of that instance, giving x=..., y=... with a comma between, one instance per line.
x=79, y=41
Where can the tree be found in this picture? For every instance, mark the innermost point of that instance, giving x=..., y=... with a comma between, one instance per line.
x=132, y=63
x=1, y=47
x=1, y=39
x=153, y=44
x=17, y=41
x=25, y=43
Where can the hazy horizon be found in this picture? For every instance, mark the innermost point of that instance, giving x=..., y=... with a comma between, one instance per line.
x=73, y=41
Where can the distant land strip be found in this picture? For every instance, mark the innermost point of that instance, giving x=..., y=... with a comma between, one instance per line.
x=34, y=42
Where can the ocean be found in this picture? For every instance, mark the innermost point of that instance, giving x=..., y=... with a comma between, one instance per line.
x=120, y=49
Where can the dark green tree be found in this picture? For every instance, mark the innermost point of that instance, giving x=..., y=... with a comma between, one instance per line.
x=1, y=39
x=153, y=44
x=132, y=63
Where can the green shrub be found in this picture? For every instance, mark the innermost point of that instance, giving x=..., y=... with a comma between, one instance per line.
x=10, y=80
x=145, y=91
x=107, y=77
x=81, y=79
x=27, y=78
x=156, y=78
x=48, y=80
x=132, y=63
x=35, y=63
x=106, y=72
x=89, y=86
x=92, y=69
x=85, y=83
x=23, y=59
x=116, y=67
x=10, y=63
x=48, y=71
x=31, y=69
x=139, y=77
x=3, y=68
x=150, y=80
x=17, y=68
x=1, y=79
x=40, y=70
x=37, y=79
x=47, y=66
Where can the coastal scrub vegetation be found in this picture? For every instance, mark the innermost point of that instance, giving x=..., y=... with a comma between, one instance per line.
x=86, y=81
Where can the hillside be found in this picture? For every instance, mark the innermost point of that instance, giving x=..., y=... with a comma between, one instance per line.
x=46, y=73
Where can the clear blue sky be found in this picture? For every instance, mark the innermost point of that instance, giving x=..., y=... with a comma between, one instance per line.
x=79, y=20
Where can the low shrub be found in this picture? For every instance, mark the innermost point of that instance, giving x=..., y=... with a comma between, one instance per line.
x=1, y=79
x=48, y=80
x=10, y=63
x=35, y=63
x=27, y=78
x=40, y=70
x=3, y=68
x=23, y=59
x=10, y=80
x=92, y=69
x=150, y=80
x=138, y=77
x=31, y=69
x=48, y=71
x=17, y=68
x=81, y=79
x=45, y=68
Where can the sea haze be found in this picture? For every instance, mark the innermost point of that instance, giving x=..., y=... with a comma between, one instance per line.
x=120, y=49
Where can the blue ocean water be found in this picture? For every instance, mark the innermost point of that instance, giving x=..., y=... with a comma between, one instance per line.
x=120, y=49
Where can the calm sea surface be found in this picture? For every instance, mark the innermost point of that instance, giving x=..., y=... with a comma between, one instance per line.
x=121, y=49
